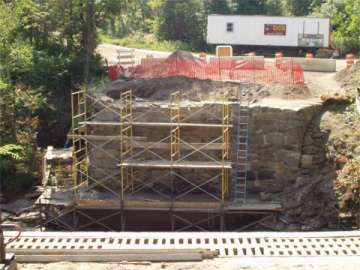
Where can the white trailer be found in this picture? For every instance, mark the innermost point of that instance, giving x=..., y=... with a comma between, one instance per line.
x=302, y=32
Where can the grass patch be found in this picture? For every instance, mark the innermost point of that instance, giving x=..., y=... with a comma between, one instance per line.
x=144, y=41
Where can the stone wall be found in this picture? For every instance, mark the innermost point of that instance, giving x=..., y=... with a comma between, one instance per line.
x=289, y=164
x=276, y=142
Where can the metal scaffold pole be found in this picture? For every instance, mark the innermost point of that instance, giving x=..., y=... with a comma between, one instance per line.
x=225, y=147
x=175, y=141
x=175, y=128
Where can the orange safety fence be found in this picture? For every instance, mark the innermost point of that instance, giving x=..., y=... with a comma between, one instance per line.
x=287, y=72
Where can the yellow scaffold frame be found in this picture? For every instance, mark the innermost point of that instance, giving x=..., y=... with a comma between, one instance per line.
x=126, y=133
x=79, y=132
x=175, y=127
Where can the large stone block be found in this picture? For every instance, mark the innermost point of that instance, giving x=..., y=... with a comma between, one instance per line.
x=307, y=161
x=290, y=158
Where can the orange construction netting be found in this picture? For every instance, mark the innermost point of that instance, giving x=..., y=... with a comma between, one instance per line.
x=253, y=70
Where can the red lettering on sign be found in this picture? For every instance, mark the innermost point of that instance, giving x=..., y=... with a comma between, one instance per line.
x=275, y=29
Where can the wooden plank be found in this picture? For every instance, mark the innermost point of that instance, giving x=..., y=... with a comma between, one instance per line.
x=139, y=142
x=267, y=206
x=104, y=252
x=145, y=204
x=169, y=257
x=156, y=124
x=104, y=137
x=154, y=145
x=179, y=165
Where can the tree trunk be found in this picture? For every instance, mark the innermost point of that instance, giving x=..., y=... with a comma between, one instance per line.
x=89, y=36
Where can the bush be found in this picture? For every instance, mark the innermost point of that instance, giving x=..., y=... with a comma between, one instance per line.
x=345, y=44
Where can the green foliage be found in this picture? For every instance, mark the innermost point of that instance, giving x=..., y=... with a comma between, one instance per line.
x=145, y=41
x=11, y=151
x=297, y=8
x=217, y=7
x=345, y=19
x=249, y=7
x=274, y=7
x=182, y=21
x=46, y=49
x=128, y=16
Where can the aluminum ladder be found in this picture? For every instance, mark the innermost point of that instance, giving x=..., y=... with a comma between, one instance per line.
x=242, y=144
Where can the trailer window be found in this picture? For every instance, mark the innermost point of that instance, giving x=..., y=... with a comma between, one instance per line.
x=229, y=27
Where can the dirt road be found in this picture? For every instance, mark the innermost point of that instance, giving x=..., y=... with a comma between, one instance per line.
x=108, y=51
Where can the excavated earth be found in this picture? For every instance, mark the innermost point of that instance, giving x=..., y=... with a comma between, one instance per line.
x=159, y=89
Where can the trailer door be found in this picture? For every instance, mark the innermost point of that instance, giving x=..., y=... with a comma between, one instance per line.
x=310, y=34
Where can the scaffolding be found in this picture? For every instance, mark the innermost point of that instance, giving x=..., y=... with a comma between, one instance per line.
x=126, y=147
x=79, y=133
x=129, y=171
x=174, y=162
x=175, y=127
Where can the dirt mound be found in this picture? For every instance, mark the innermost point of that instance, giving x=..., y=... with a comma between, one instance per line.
x=161, y=88
x=350, y=78
x=182, y=55
x=284, y=91
x=200, y=90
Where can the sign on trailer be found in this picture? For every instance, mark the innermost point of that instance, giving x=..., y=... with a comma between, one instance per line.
x=275, y=29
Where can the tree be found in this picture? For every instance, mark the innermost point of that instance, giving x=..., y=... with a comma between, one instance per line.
x=182, y=20
x=46, y=49
x=301, y=8
x=128, y=16
x=345, y=19
x=297, y=8
x=249, y=7
x=217, y=7
x=274, y=7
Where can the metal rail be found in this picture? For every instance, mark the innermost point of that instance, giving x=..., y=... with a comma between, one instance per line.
x=259, y=244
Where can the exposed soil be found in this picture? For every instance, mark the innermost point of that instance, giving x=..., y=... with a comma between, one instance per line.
x=200, y=90
x=350, y=78
x=322, y=83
